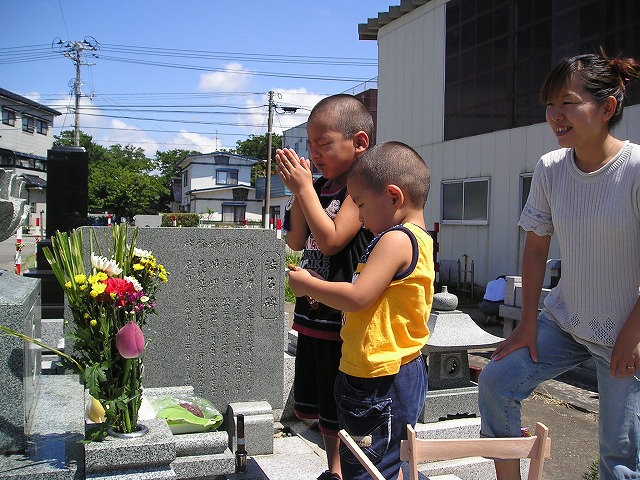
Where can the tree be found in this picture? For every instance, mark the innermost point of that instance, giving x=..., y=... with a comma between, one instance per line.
x=121, y=179
x=256, y=147
x=96, y=152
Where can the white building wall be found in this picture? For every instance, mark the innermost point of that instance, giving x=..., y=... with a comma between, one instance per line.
x=14, y=138
x=411, y=54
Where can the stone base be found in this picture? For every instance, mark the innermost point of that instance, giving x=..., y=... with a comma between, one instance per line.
x=258, y=426
x=197, y=455
x=54, y=451
x=450, y=403
x=153, y=451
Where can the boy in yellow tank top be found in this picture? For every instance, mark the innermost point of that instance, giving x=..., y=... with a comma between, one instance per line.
x=382, y=381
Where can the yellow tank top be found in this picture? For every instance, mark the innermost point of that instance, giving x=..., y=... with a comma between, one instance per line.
x=392, y=331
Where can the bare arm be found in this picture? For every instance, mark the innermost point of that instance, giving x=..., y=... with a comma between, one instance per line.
x=626, y=350
x=331, y=235
x=298, y=231
x=392, y=254
x=534, y=262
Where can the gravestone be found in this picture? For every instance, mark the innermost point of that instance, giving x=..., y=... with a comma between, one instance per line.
x=219, y=322
x=67, y=207
x=19, y=311
x=19, y=361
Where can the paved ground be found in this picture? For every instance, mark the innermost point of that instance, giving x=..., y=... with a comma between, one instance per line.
x=568, y=407
x=8, y=252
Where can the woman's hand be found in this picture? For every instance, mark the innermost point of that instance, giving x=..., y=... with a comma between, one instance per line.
x=524, y=335
x=625, y=357
x=294, y=171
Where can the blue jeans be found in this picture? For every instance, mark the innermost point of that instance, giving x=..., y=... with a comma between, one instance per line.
x=504, y=384
x=375, y=412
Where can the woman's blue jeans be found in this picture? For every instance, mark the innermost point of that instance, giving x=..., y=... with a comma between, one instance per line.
x=505, y=383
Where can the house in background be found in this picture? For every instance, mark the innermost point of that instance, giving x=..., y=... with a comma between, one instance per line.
x=26, y=134
x=219, y=184
x=280, y=196
x=458, y=80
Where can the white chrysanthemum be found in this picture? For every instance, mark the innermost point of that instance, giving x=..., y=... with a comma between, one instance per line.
x=138, y=252
x=110, y=267
x=136, y=283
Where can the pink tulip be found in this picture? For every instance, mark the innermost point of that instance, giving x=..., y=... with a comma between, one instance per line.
x=130, y=340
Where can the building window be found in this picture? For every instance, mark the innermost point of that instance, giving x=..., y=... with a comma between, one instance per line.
x=8, y=117
x=240, y=194
x=185, y=179
x=465, y=201
x=233, y=213
x=42, y=127
x=6, y=160
x=525, y=187
x=498, y=53
x=274, y=213
x=226, y=177
x=28, y=124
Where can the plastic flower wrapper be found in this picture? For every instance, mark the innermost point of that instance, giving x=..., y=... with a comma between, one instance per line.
x=187, y=413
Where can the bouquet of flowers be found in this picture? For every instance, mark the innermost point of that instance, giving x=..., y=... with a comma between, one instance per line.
x=109, y=304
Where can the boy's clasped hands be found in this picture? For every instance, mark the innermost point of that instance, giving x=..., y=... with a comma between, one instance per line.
x=294, y=171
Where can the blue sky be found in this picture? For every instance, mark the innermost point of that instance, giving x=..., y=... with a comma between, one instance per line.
x=218, y=60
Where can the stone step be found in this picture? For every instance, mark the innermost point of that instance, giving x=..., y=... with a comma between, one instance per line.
x=204, y=466
x=160, y=473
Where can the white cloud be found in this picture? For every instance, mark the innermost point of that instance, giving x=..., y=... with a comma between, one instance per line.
x=233, y=78
x=298, y=98
x=194, y=141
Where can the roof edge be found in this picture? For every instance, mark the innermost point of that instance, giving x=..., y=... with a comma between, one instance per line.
x=369, y=30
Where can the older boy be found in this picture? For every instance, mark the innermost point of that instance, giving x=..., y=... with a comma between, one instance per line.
x=323, y=222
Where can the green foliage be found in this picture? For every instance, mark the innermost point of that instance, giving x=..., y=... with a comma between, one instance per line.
x=292, y=258
x=182, y=219
x=122, y=180
x=592, y=473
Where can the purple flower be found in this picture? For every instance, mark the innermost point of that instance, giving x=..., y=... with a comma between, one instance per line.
x=130, y=340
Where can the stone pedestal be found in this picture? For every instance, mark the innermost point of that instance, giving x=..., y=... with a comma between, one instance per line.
x=451, y=392
x=19, y=361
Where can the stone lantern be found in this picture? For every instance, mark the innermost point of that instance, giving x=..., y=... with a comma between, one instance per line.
x=451, y=392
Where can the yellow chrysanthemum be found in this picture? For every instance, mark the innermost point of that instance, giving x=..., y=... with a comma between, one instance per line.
x=67, y=285
x=93, y=322
x=138, y=266
x=80, y=278
x=82, y=287
x=98, y=288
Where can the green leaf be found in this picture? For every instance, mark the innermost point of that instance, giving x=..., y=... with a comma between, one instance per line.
x=94, y=375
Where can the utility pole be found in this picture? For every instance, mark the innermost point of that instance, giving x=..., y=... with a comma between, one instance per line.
x=73, y=50
x=267, y=184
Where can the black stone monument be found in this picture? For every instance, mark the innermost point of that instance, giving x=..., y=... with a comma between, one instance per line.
x=67, y=208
